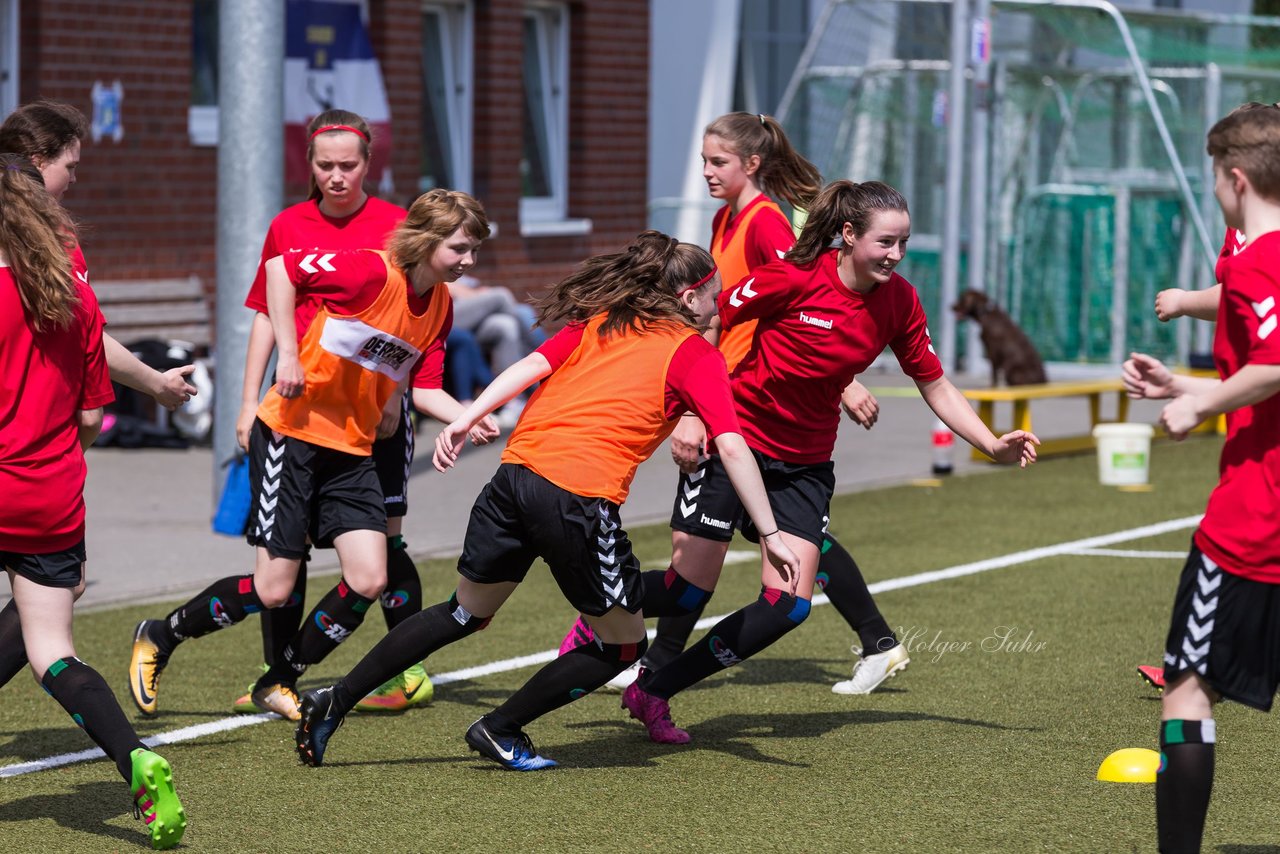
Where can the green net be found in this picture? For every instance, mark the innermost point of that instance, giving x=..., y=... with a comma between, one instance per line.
x=1086, y=219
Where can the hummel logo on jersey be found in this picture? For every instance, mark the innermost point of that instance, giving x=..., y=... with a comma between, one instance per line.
x=321, y=261
x=745, y=290
x=715, y=523
x=816, y=321
x=1265, y=309
x=378, y=349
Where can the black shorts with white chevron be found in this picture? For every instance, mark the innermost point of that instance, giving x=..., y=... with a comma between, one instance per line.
x=1226, y=629
x=521, y=516
x=301, y=489
x=393, y=457
x=707, y=506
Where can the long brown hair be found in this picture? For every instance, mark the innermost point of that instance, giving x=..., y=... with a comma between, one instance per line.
x=837, y=203
x=434, y=216
x=336, y=121
x=36, y=235
x=636, y=288
x=42, y=130
x=783, y=171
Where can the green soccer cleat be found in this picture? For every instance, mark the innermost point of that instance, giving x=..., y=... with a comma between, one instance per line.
x=417, y=686
x=154, y=799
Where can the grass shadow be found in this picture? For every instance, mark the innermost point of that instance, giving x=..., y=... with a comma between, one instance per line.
x=88, y=808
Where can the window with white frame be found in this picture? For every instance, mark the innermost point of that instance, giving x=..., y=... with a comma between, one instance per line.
x=8, y=57
x=445, y=158
x=544, y=162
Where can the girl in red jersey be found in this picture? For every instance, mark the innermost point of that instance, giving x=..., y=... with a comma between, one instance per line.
x=615, y=381
x=1224, y=634
x=380, y=316
x=339, y=214
x=743, y=155
x=48, y=133
x=823, y=316
x=53, y=384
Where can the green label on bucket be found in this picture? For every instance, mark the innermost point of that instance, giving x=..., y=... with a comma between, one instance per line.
x=1129, y=461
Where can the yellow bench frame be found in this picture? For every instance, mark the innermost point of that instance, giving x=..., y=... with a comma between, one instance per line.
x=1021, y=397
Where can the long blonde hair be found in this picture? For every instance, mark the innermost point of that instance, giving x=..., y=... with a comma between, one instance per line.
x=636, y=288
x=36, y=235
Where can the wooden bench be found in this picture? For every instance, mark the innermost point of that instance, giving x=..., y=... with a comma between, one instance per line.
x=156, y=308
x=1021, y=397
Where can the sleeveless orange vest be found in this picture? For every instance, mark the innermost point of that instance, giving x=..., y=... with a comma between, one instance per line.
x=601, y=413
x=353, y=364
x=732, y=261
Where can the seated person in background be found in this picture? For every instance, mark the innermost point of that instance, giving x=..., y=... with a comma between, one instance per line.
x=502, y=326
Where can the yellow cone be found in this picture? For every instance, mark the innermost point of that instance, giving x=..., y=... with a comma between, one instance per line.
x=1130, y=765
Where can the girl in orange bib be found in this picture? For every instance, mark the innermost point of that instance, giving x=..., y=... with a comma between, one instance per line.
x=381, y=316
x=615, y=381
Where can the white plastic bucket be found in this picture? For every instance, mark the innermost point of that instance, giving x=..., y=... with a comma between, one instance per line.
x=1124, y=453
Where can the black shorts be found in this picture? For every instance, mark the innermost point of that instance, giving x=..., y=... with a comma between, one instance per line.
x=301, y=490
x=55, y=569
x=707, y=506
x=1227, y=629
x=521, y=516
x=392, y=458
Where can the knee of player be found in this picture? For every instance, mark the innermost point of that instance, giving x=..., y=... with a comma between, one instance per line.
x=794, y=608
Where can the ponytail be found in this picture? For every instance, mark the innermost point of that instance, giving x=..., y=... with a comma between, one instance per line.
x=636, y=288
x=36, y=236
x=837, y=203
x=783, y=172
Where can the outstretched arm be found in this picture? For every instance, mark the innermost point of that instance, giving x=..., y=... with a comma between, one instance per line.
x=169, y=388
x=506, y=385
x=950, y=405
x=743, y=473
x=1247, y=386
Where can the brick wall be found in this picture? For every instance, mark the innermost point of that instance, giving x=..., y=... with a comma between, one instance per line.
x=148, y=202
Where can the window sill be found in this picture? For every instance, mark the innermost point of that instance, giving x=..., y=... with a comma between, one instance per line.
x=555, y=228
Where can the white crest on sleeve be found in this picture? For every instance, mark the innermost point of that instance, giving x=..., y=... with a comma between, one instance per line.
x=1265, y=309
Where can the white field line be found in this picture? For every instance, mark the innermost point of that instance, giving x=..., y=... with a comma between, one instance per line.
x=238, y=721
x=1129, y=553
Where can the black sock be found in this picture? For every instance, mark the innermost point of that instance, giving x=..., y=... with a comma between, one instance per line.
x=408, y=643
x=673, y=634
x=280, y=624
x=13, y=654
x=1184, y=783
x=83, y=692
x=731, y=641
x=403, y=596
x=840, y=578
x=566, y=678
x=223, y=603
x=330, y=622
x=668, y=594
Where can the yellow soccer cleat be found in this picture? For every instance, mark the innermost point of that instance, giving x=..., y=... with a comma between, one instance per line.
x=145, y=667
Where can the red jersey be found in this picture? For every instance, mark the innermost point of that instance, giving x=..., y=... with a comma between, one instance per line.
x=1241, y=527
x=45, y=379
x=815, y=335
x=303, y=226
x=611, y=401
x=347, y=283
x=1232, y=243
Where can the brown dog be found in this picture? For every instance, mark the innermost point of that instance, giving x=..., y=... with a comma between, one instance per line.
x=1010, y=351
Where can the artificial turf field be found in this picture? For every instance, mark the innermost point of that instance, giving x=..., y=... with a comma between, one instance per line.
x=974, y=747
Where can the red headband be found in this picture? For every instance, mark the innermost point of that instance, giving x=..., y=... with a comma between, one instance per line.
x=708, y=277
x=349, y=128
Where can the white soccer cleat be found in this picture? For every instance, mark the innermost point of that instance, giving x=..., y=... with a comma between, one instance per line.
x=871, y=670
